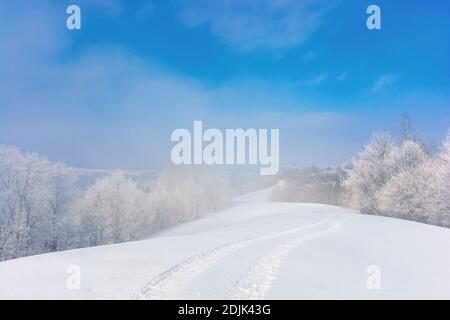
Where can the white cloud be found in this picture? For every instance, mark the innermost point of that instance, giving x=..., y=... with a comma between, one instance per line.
x=108, y=108
x=248, y=24
x=384, y=82
x=343, y=76
x=309, y=56
x=315, y=81
x=118, y=110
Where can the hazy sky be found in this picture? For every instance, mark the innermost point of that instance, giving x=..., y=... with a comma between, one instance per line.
x=110, y=94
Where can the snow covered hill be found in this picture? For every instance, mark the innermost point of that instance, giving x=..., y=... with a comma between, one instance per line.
x=255, y=249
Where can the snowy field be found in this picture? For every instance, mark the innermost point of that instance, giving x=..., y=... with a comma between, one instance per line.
x=253, y=250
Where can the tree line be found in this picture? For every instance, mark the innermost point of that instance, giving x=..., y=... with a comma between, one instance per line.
x=44, y=209
x=403, y=180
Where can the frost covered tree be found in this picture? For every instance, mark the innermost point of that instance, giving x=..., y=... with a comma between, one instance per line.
x=370, y=172
x=114, y=209
x=413, y=187
x=317, y=185
x=403, y=181
x=445, y=153
x=42, y=209
x=406, y=127
x=410, y=154
x=61, y=192
x=414, y=193
x=23, y=196
x=444, y=158
x=186, y=193
x=34, y=195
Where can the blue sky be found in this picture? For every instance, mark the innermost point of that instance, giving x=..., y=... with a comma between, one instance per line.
x=109, y=95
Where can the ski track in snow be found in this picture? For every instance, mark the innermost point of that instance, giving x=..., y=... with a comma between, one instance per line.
x=257, y=281
x=169, y=284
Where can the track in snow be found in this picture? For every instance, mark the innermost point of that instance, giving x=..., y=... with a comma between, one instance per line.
x=169, y=284
x=257, y=281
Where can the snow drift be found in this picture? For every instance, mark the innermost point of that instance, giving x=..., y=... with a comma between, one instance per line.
x=253, y=250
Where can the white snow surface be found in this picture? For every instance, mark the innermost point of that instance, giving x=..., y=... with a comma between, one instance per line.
x=255, y=249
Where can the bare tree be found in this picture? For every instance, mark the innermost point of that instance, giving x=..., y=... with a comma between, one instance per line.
x=370, y=172
x=114, y=209
x=406, y=127
x=23, y=194
x=61, y=190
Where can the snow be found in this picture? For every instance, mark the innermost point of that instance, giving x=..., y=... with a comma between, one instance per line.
x=255, y=249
